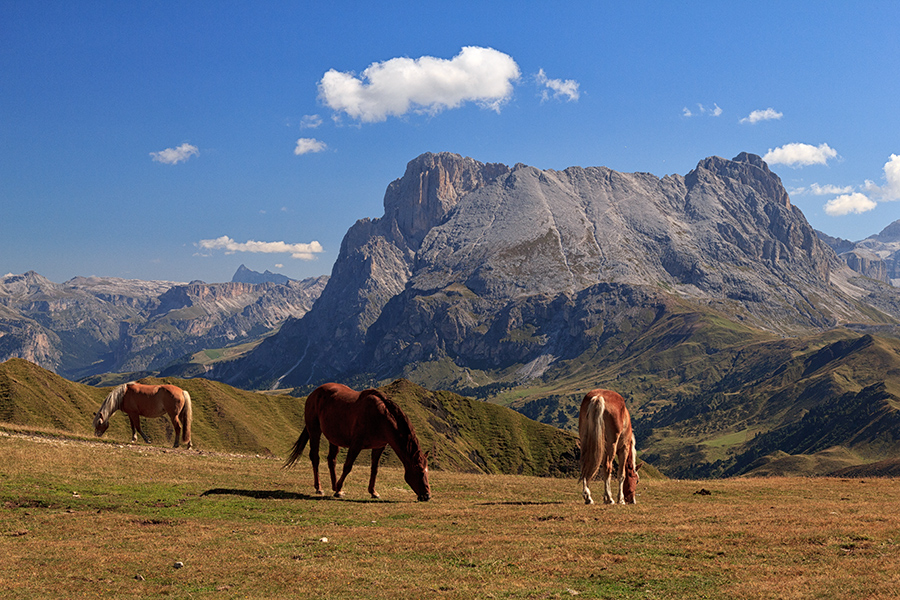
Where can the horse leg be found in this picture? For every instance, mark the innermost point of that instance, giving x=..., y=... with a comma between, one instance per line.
x=136, y=428
x=606, y=471
x=314, y=458
x=620, y=467
x=176, y=425
x=352, y=453
x=585, y=492
x=332, y=463
x=376, y=456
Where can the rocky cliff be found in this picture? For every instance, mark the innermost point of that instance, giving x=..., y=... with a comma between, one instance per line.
x=481, y=268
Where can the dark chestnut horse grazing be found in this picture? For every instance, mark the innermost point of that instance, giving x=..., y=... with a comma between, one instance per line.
x=359, y=421
x=604, y=427
x=139, y=400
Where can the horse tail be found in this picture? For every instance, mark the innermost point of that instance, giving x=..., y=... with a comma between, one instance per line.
x=590, y=431
x=299, y=445
x=188, y=413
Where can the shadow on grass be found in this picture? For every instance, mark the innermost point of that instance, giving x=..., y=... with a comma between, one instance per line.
x=518, y=503
x=282, y=495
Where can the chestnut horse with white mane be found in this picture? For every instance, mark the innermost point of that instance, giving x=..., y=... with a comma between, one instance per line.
x=359, y=421
x=604, y=427
x=140, y=400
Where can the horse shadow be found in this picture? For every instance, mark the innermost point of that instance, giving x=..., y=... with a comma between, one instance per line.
x=283, y=495
x=520, y=503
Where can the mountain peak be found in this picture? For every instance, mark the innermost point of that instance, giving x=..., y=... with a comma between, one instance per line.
x=430, y=188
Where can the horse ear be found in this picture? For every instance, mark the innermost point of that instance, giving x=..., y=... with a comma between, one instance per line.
x=639, y=465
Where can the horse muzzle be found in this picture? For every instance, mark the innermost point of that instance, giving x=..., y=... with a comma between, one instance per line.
x=424, y=497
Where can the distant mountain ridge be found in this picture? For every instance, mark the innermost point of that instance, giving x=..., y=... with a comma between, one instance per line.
x=91, y=325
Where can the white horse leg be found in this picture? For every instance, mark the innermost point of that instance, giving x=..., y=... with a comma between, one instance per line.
x=586, y=493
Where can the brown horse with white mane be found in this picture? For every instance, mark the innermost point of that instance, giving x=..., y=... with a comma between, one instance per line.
x=359, y=421
x=140, y=400
x=604, y=427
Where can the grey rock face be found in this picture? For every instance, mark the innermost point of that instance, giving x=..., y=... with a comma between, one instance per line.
x=486, y=267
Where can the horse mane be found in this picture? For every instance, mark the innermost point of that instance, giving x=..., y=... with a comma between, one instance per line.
x=113, y=401
x=407, y=435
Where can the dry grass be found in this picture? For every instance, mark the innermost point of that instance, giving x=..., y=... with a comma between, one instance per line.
x=84, y=520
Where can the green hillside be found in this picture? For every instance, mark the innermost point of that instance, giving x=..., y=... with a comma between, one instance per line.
x=460, y=434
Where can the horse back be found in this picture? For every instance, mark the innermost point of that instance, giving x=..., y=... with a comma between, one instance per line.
x=615, y=412
x=152, y=400
x=347, y=417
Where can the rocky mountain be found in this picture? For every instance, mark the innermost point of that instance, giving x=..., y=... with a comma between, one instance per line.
x=91, y=325
x=479, y=273
x=245, y=275
x=877, y=256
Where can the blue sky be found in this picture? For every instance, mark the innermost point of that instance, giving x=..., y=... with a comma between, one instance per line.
x=177, y=140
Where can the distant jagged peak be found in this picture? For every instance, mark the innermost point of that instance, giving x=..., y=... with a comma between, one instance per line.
x=245, y=275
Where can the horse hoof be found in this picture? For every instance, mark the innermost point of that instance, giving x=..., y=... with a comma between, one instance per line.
x=339, y=494
x=320, y=493
x=588, y=501
x=375, y=496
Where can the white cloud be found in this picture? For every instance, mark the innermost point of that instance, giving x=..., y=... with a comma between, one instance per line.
x=828, y=189
x=891, y=190
x=756, y=116
x=427, y=84
x=800, y=155
x=310, y=121
x=308, y=145
x=715, y=111
x=567, y=88
x=173, y=156
x=299, y=251
x=855, y=203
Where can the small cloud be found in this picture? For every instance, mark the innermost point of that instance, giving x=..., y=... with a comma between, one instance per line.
x=279, y=266
x=827, y=190
x=173, y=156
x=298, y=251
x=770, y=114
x=846, y=204
x=567, y=88
x=310, y=121
x=429, y=85
x=715, y=111
x=309, y=145
x=800, y=155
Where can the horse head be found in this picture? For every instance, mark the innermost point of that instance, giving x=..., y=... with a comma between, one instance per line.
x=632, y=478
x=416, y=476
x=100, y=424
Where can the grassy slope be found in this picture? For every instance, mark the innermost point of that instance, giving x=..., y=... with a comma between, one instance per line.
x=460, y=434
